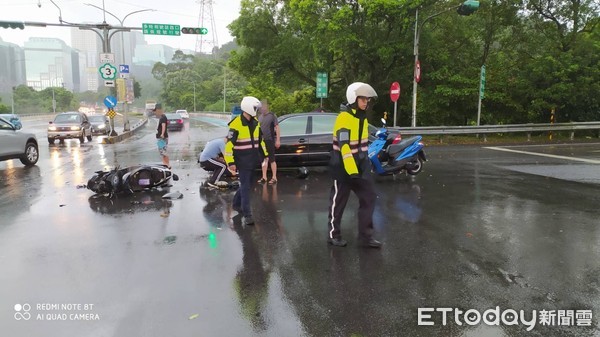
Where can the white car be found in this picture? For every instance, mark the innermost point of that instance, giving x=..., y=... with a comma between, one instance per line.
x=15, y=144
x=183, y=113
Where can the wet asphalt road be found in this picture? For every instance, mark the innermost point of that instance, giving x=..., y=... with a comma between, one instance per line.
x=478, y=228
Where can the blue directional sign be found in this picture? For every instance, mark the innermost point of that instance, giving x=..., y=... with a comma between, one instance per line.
x=124, y=68
x=110, y=101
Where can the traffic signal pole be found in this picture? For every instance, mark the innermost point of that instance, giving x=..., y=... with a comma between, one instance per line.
x=103, y=30
x=466, y=8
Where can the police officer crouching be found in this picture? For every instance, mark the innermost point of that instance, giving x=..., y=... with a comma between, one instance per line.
x=244, y=141
x=350, y=166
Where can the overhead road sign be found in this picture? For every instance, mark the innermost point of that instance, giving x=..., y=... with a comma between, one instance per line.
x=161, y=29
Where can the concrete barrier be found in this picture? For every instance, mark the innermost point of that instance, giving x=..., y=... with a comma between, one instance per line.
x=126, y=134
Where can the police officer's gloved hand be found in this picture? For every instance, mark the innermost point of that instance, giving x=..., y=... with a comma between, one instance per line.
x=355, y=176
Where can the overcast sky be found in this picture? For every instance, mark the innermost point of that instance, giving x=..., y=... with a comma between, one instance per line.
x=180, y=12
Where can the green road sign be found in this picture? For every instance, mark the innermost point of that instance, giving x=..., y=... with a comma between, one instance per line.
x=482, y=81
x=161, y=29
x=108, y=71
x=322, y=85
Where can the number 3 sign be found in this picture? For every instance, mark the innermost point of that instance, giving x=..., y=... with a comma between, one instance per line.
x=108, y=71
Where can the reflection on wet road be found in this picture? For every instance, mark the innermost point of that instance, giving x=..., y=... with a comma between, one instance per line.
x=477, y=229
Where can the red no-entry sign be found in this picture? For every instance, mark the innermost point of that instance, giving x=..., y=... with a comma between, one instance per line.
x=395, y=91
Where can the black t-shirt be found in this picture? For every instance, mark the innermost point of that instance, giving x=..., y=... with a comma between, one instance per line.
x=162, y=120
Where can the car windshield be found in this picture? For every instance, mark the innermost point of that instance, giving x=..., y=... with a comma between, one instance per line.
x=184, y=111
x=67, y=118
x=96, y=118
x=172, y=116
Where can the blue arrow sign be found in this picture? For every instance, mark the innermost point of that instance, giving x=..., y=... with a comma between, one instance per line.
x=110, y=101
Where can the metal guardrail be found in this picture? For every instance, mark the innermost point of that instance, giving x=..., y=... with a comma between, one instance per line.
x=484, y=129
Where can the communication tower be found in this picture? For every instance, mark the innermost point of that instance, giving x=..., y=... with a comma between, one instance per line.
x=206, y=19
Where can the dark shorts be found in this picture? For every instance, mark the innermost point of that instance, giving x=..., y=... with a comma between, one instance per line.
x=271, y=149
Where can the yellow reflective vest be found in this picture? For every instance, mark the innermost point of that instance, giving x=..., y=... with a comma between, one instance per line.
x=244, y=141
x=350, y=145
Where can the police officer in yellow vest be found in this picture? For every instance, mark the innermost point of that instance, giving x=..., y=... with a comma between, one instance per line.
x=350, y=166
x=244, y=141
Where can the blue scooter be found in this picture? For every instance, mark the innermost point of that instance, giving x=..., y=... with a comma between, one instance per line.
x=391, y=155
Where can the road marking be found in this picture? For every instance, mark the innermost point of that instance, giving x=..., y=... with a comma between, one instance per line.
x=590, y=161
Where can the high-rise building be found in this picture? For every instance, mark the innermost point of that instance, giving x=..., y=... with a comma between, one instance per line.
x=12, y=66
x=89, y=46
x=51, y=63
x=152, y=53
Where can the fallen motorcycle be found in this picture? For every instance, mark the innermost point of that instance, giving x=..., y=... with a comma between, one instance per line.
x=131, y=179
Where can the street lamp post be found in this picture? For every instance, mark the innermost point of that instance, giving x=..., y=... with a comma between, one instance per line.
x=224, y=86
x=194, y=96
x=121, y=21
x=12, y=92
x=466, y=8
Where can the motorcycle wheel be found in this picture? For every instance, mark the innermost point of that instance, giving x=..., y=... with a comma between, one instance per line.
x=415, y=167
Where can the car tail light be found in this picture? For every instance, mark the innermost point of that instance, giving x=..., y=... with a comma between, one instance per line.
x=397, y=139
x=168, y=121
x=180, y=121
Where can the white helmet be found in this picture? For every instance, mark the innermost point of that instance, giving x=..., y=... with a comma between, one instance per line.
x=359, y=89
x=250, y=105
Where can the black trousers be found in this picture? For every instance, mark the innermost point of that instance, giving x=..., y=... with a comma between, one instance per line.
x=340, y=192
x=218, y=167
x=241, y=198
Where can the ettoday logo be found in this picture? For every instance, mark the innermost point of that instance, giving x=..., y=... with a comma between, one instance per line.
x=22, y=312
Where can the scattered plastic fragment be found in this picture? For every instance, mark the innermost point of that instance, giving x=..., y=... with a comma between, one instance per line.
x=194, y=316
x=173, y=195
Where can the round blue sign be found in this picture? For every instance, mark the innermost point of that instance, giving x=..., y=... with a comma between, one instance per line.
x=110, y=101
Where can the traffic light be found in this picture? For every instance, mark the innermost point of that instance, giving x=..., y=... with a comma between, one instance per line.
x=468, y=7
x=12, y=24
x=193, y=30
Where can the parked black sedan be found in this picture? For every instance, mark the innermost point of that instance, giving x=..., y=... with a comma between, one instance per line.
x=306, y=139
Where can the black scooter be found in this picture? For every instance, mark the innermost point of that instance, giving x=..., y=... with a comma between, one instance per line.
x=131, y=179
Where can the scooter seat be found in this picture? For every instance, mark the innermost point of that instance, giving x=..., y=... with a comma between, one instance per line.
x=397, y=148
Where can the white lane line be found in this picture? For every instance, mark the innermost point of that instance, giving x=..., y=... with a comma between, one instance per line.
x=590, y=161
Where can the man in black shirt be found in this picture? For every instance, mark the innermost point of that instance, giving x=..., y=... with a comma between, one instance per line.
x=162, y=135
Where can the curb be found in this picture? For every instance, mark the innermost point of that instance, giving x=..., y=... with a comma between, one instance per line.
x=124, y=135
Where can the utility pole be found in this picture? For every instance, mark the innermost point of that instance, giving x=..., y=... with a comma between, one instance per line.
x=121, y=21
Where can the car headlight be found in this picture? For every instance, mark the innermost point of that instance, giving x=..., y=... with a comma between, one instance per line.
x=102, y=126
x=52, y=128
x=74, y=128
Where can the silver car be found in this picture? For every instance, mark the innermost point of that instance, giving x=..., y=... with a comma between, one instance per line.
x=16, y=144
x=69, y=125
